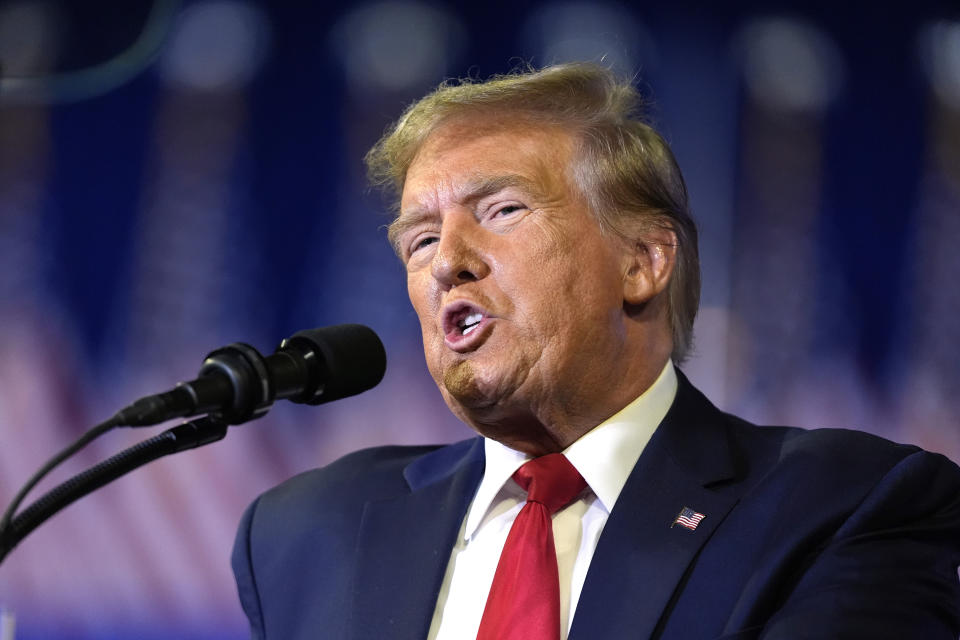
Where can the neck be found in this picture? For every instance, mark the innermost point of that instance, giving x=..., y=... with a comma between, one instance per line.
x=552, y=428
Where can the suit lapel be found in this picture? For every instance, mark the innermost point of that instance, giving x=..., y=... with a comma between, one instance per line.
x=404, y=544
x=640, y=558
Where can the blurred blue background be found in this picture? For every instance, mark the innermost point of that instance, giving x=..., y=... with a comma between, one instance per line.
x=175, y=176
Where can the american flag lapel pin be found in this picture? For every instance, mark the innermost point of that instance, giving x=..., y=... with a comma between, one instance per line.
x=688, y=518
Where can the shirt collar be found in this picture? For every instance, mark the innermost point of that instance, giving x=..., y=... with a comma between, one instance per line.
x=604, y=456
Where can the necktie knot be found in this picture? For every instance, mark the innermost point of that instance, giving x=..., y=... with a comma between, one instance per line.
x=550, y=480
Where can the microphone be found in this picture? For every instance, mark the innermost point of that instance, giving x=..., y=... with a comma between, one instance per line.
x=237, y=384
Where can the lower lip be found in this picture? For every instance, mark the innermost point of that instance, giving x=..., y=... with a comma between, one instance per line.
x=463, y=343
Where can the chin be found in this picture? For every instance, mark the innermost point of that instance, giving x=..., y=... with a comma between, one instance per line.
x=466, y=387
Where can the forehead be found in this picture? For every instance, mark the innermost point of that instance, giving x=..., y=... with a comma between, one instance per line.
x=464, y=157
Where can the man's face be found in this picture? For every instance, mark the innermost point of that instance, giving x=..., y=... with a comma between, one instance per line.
x=519, y=295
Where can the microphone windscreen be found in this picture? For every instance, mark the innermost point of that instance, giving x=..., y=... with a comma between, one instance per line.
x=354, y=359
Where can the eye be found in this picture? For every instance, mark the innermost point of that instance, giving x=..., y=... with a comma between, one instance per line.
x=422, y=242
x=508, y=210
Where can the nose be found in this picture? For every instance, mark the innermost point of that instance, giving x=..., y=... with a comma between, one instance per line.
x=459, y=257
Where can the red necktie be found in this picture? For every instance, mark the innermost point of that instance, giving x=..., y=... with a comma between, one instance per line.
x=524, y=600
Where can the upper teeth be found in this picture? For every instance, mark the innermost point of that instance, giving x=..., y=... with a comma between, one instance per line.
x=471, y=322
x=473, y=318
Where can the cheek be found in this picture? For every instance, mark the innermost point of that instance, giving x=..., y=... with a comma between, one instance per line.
x=573, y=303
x=420, y=300
x=425, y=306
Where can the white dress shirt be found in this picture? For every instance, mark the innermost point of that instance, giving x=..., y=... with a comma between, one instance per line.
x=604, y=456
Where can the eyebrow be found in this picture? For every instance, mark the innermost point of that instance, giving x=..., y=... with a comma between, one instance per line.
x=403, y=223
x=468, y=193
x=480, y=188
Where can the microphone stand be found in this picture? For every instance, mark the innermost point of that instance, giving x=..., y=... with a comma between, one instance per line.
x=237, y=384
x=189, y=435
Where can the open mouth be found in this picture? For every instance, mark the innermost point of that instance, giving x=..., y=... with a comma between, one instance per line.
x=463, y=320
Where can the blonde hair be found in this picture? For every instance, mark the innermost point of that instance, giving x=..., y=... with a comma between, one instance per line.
x=623, y=167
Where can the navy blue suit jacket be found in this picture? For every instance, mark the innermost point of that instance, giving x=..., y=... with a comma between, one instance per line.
x=807, y=534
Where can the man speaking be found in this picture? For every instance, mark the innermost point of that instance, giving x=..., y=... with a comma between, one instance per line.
x=552, y=261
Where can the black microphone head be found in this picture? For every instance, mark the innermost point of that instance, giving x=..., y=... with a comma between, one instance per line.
x=349, y=360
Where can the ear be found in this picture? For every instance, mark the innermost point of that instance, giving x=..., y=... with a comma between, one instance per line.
x=649, y=262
